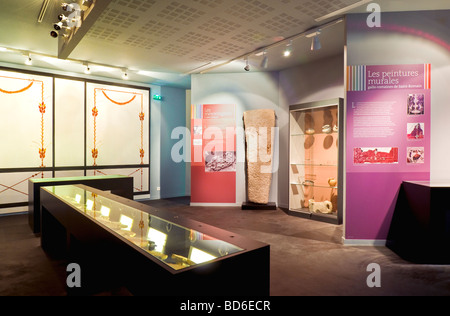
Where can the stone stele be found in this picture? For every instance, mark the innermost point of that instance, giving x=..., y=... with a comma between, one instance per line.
x=258, y=125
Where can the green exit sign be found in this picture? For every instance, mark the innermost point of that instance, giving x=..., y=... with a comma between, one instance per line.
x=157, y=97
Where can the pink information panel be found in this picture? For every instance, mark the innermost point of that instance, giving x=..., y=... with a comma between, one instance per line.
x=213, y=153
x=388, y=141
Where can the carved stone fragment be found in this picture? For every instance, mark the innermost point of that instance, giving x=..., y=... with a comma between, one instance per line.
x=259, y=139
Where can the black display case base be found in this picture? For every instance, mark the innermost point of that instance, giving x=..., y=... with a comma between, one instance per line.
x=108, y=260
x=420, y=226
x=256, y=206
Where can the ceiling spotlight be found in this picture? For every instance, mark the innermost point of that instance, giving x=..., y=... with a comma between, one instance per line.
x=287, y=52
x=70, y=22
x=265, y=61
x=58, y=26
x=247, y=66
x=315, y=44
x=67, y=6
x=87, y=3
x=62, y=17
x=87, y=70
x=125, y=75
x=55, y=34
x=28, y=60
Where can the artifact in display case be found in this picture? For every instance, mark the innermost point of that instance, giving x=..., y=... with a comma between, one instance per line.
x=117, y=184
x=158, y=240
x=315, y=160
x=177, y=246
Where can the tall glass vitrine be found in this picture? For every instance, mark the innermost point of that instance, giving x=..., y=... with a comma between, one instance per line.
x=315, y=160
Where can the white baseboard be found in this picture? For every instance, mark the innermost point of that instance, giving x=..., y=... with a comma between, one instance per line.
x=14, y=210
x=363, y=242
x=141, y=197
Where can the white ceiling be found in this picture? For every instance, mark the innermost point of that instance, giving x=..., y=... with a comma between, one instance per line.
x=167, y=39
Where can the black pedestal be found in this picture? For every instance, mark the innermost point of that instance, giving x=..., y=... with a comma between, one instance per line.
x=420, y=227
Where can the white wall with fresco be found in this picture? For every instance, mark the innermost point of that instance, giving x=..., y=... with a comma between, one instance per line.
x=47, y=129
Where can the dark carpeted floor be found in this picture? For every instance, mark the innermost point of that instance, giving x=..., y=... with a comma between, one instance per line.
x=307, y=257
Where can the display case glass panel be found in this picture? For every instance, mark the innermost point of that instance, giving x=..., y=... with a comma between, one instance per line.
x=176, y=246
x=314, y=160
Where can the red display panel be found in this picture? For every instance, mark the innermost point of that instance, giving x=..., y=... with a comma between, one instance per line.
x=213, y=153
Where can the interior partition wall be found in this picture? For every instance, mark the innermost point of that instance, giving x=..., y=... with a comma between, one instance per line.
x=60, y=126
x=390, y=45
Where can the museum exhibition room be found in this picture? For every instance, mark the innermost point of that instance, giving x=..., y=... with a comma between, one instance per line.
x=224, y=148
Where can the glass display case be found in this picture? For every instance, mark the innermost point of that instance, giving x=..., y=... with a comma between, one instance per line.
x=315, y=170
x=151, y=251
x=117, y=184
x=176, y=246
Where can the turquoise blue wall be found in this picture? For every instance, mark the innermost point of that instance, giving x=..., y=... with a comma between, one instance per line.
x=155, y=131
x=173, y=114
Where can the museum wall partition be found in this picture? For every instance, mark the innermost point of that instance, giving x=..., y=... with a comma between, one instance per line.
x=396, y=96
x=217, y=129
x=388, y=141
x=58, y=126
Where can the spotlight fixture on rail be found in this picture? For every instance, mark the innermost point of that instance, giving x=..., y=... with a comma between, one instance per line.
x=62, y=17
x=58, y=26
x=28, y=60
x=247, y=66
x=315, y=43
x=68, y=23
x=55, y=34
x=68, y=6
x=37, y=59
x=287, y=52
x=87, y=70
x=265, y=61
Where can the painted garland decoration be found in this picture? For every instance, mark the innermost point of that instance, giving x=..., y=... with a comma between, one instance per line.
x=95, y=113
x=118, y=103
x=42, y=149
x=41, y=107
x=18, y=91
